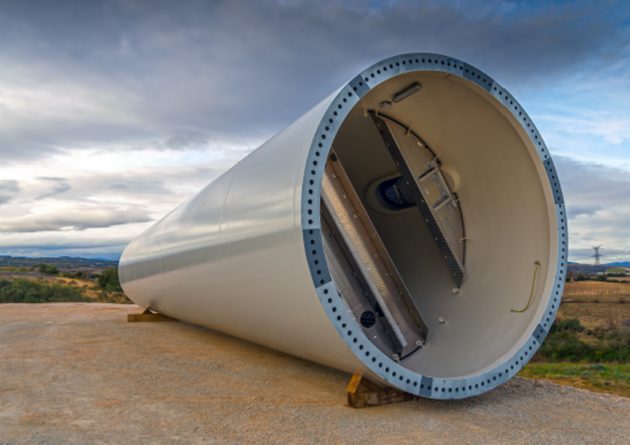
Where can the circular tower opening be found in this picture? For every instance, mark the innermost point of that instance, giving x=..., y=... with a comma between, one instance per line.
x=434, y=226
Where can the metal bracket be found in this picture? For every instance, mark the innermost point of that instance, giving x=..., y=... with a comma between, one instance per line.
x=354, y=246
x=438, y=206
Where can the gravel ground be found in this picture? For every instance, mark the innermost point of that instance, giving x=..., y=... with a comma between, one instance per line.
x=77, y=373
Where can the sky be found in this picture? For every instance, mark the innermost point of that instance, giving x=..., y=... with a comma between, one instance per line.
x=114, y=112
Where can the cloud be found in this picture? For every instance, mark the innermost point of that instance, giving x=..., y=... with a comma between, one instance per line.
x=574, y=211
x=149, y=187
x=77, y=218
x=609, y=255
x=187, y=139
x=96, y=205
x=115, y=106
x=8, y=188
x=598, y=208
x=587, y=183
x=608, y=127
x=153, y=75
x=57, y=186
x=110, y=249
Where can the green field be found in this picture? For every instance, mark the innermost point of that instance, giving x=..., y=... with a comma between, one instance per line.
x=604, y=377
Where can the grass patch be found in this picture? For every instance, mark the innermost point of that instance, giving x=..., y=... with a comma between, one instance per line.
x=603, y=377
x=595, y=357
x=14, y=269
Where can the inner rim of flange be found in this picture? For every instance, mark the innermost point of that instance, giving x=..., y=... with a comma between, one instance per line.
x=451, y=336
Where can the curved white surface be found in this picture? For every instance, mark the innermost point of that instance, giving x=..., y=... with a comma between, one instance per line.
x=244, y=256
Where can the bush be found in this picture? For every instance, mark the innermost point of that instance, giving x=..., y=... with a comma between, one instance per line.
x=74, y=274
x=46, y=269
x=108, y=280
x=565, y=346
x=568, y=324
x=29, y=291
x=604, y=345
x=614, y=345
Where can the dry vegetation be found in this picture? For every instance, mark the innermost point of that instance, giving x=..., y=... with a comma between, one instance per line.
x=90, y=289
x=596, y=289
x=45, y=283
x=590, y=344
x=597, y=304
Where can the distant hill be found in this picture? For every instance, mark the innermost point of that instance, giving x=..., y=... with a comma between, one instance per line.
x=586, y=268
x=61, y=263
x=602, y=267
x=78, y=263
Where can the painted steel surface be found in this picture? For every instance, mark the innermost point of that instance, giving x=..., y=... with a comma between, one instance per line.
x=245, y=255
x=232, y=258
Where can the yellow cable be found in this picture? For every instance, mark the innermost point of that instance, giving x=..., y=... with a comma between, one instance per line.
x=531, y=292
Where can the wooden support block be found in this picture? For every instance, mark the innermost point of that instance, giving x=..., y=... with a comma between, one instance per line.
x=147, y=315
x=363, y=393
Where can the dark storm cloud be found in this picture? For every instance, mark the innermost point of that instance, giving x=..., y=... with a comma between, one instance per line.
x=199, y=72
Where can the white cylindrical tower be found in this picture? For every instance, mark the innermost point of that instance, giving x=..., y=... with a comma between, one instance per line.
x=410, y=227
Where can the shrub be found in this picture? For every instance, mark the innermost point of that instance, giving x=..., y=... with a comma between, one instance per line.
x=567, y=324
x=29, y=291
x=565, y=346
x=74, y=274
x=108, y=280
x=47, y=269
x=604, y=345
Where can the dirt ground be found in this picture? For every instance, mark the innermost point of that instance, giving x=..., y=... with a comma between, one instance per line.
x=77, y=373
